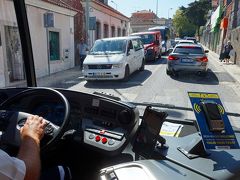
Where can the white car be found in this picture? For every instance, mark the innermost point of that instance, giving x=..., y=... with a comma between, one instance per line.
x=183, y=41
x=114, y=58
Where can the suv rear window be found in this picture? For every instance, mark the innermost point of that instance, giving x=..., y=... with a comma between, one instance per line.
x=188, y=50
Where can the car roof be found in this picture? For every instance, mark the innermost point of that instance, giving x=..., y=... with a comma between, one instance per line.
x=189, y=45
x=121, y=38
x=190, y=41
x=146, y=32
x=190, y=38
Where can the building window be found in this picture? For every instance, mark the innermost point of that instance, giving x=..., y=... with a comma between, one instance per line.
x=123, y=32
x=106, y=31
x=54, y=46
x=98, y=30
x=119, y=32
x=113, y=31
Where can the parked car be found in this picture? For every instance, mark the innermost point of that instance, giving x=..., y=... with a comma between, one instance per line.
x=187, y=57
x=114, y=58
x=183, y=41
x=152, y=42
x=191, y=38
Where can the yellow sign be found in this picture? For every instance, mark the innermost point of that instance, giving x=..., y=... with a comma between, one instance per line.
x=203, y=95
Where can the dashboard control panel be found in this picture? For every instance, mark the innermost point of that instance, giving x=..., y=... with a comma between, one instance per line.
x=104, y=139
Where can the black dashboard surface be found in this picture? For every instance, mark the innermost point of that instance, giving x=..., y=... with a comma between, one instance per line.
x=102, y=123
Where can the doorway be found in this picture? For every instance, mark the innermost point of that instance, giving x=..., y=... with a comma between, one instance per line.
x=15, y=66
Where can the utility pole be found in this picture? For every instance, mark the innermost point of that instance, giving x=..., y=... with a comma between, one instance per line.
x=87, y=20
x=157, y=8
x=168, y=12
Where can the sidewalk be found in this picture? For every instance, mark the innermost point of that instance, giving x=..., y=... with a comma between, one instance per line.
x=56, y=79
x=232, y=69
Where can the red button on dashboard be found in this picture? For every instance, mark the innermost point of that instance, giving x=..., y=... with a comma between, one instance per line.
x=97, y=138
x=104, y=140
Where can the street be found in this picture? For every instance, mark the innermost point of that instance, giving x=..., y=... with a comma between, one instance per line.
x=153, y=85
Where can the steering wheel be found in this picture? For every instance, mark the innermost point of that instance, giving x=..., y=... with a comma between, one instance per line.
x=12, y=121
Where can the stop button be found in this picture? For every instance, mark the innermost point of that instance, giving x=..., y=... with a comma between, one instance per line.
x=104, y=140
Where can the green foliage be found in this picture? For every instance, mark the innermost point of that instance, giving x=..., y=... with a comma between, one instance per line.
x=194, y=14
x=182, y=26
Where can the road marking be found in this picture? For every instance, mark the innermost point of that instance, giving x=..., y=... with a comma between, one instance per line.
x=153, y=72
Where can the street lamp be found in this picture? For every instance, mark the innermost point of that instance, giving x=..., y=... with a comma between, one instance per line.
x=115, y=4
x=169, y=11
x=157, y=8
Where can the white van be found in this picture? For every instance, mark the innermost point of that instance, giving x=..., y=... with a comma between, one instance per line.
x=114, y=58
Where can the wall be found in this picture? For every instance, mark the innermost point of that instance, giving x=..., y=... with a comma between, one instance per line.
x=141, y=27
x=106, y=15
x=7, y=18
x=235, y=39
x=64, y=23
x=2, y=76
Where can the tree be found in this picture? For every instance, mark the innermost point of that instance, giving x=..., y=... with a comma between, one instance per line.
x=196, y=13
x=182, y=26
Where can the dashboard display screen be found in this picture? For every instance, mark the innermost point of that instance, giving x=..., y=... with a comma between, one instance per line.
x=52, y=112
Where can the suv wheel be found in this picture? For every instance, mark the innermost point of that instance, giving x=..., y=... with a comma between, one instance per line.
x=127, y=73
x=142, y=66
x=170, y=73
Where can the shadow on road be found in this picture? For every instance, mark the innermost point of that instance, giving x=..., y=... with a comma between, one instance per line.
x=67, y=83
x=210, y=78
x=136, y=79
x=159, y=61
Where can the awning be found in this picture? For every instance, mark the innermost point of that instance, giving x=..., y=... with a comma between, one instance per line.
x=215, y=19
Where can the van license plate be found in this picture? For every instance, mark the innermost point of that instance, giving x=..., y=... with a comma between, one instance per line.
x=99, y=74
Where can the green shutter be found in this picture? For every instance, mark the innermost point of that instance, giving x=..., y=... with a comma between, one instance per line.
x=54, y=46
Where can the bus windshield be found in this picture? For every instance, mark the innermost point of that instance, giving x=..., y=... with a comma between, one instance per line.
x=165, y=32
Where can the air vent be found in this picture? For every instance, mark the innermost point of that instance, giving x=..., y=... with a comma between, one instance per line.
x=91, y=110
x=108, y=113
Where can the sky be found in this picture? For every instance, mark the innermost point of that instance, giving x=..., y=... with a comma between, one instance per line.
x=165, y=7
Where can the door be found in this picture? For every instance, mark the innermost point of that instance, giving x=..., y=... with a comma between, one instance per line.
x=15, y=66
x=130, y=56
x=138, y=54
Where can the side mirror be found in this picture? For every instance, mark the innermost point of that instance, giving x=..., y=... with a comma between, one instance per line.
x=130, y=46
x=157, y=42
x=206, y=51
x=128, y=51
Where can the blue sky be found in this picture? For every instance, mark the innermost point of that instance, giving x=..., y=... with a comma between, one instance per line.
x=164, y=6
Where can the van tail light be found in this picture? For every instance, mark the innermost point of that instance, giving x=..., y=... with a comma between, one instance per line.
x=172, y=58
x=203, y=59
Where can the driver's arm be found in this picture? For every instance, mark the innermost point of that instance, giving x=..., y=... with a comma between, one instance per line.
x=31, y=134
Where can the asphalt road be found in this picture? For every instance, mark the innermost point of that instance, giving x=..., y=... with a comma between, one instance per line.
x=153, y=85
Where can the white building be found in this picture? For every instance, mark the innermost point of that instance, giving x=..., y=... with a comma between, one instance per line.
x=108, y=21
x=53, y=47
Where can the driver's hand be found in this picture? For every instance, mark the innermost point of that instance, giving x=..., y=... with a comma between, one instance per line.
x=33, y=128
